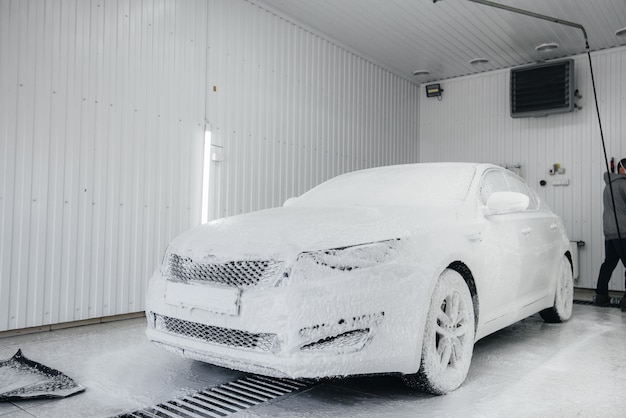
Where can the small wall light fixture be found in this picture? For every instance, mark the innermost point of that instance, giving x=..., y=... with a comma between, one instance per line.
x=433, y=90
x=206, y=169
x=420, y=72
x=620, y=32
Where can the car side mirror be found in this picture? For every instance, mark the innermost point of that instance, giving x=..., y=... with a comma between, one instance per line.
x=500, y=203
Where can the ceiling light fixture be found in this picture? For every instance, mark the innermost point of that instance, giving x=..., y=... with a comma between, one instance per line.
x=620, y=32
x=550, y=46
x=421, y=72
x=477, y=61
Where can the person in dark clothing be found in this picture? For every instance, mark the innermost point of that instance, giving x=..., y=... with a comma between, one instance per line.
x=615, y=249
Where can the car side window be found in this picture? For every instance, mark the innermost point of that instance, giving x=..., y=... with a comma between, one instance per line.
x=517, y=185
x=493, y=181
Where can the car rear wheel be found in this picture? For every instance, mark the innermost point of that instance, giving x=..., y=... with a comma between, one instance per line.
x=448, y=337
x=563, y=296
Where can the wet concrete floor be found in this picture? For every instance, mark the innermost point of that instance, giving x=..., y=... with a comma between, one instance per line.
x=530, y=369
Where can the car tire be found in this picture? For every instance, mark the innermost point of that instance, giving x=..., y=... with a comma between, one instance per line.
x=563, y=296
x=449, y=334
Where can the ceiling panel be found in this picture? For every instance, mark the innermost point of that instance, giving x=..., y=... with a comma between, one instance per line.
x=443, y=37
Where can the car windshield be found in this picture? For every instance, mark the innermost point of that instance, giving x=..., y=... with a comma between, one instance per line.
x=415, y=184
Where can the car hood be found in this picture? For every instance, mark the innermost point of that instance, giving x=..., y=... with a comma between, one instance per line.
x=284, y=232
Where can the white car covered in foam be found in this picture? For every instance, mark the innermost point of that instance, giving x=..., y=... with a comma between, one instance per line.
x=397, y=269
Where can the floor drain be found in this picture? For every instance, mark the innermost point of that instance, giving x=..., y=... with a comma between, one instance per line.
x=615, y=302
x=224, y=400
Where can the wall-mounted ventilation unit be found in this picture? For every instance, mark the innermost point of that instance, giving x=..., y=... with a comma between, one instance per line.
x=542, y=89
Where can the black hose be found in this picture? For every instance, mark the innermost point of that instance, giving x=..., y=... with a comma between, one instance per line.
x=606, y=158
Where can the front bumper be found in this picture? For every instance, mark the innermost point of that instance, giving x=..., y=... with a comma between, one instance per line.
x=359, y=323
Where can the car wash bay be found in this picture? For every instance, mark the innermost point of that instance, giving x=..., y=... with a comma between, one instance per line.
x=123, y=124
x=529, y=369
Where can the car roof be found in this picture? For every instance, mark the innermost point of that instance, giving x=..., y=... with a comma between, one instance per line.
x=397, y=185
x=479, y=167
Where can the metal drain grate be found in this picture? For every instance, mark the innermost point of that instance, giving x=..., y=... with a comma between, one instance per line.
x=225, y=399
x=614, y=303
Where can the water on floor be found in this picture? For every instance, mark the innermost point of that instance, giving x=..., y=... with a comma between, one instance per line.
x=529, y=369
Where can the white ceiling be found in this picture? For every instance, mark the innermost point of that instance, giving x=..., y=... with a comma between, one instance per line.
x=443, y=37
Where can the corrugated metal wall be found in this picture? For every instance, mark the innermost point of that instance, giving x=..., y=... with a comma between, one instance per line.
x=102, y=119
x=472, y=123
x=289, y=109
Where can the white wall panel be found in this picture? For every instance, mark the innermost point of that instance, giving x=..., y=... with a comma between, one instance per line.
x=102, y=116
x=472, y=123
x=101, y=125
x=289, y=109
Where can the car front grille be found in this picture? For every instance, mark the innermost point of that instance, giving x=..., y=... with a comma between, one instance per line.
x=216, y=335
x=241, y=274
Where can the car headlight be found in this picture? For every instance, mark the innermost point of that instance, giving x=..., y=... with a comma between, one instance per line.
x=351, y=258
x=164, y=266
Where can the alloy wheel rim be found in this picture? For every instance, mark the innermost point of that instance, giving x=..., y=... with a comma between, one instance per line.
x=566, y=289
x=451, y=331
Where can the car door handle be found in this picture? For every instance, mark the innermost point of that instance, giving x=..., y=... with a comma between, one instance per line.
x=474, y=237
x=527, y=230
x=554, y=227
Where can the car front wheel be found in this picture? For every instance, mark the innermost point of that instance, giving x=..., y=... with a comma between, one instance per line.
x=563, y=297
x=448, y=337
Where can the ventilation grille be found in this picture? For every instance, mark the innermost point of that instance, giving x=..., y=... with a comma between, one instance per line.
x=216, y=335
x=542, y=89
x=239, y=274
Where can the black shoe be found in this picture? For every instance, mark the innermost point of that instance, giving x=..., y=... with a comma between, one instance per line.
x=622, y=304
x=604, y=300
